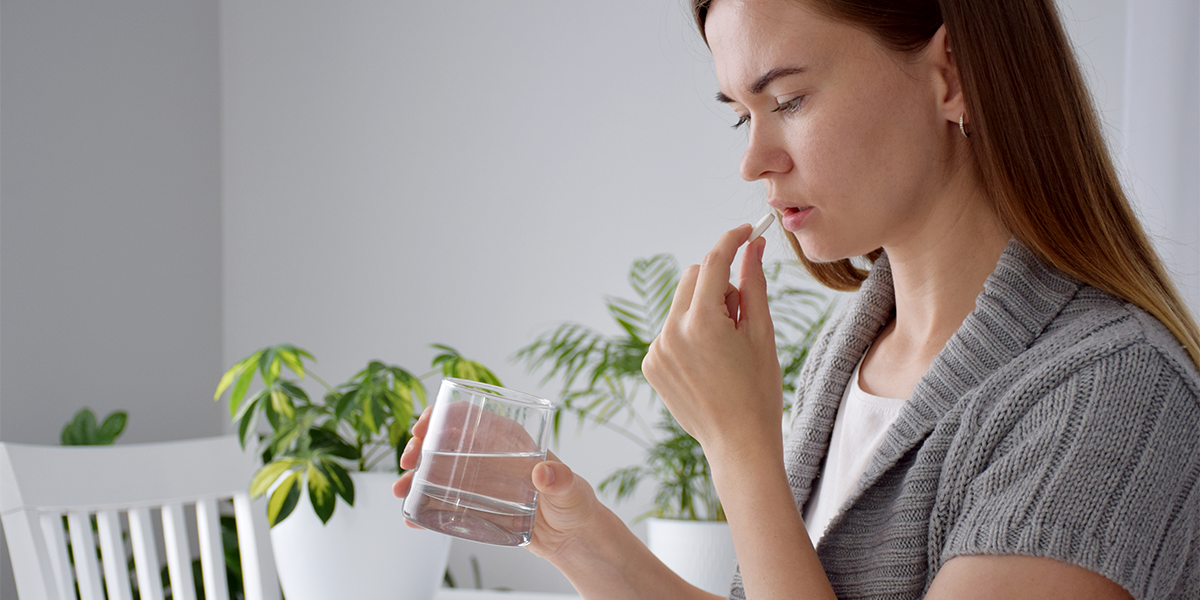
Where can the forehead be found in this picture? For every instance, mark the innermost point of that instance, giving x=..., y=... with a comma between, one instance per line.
x=751, y=37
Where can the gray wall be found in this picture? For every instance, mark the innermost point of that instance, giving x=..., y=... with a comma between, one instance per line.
x=110, y=218
x=181, y=183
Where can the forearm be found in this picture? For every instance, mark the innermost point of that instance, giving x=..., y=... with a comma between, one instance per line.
x=611, y=563
x=775, y=554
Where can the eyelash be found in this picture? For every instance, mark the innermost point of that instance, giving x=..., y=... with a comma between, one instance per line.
x=791, y=106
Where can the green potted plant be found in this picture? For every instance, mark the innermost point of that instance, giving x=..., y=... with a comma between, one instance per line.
x=344, y=444
x=602, y=384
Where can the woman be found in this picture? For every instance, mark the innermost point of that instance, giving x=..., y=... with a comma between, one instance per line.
x=1008, y=407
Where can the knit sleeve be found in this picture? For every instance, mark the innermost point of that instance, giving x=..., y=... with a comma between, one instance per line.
x=1099, y=470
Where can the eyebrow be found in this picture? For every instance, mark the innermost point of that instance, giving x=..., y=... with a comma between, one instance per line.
x=762, y=82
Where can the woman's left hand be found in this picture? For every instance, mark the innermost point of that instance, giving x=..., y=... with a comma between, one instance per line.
x=714, y=363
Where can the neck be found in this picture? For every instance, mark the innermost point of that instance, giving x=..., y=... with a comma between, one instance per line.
x=940, y=270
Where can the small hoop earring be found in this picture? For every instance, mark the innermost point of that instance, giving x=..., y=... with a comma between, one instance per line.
x=962, y=126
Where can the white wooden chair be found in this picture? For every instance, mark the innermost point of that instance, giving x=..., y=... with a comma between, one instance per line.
x=39, y=485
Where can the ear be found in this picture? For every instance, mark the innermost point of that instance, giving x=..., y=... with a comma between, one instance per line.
x=947, y=85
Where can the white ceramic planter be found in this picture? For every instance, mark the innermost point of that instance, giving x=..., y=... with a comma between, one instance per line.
x=365, y=552
x=699, y=551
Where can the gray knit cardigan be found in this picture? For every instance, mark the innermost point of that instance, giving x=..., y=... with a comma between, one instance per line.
x=1059, y=421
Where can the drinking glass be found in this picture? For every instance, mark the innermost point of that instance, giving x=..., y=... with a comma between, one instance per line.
x=474, y=478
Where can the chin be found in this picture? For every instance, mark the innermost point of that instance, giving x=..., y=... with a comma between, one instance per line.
x=818, y=252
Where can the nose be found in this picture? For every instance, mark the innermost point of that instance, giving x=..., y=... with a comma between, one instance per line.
x=765, y=154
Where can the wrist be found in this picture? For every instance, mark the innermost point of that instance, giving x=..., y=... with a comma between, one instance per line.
x=589, y=546
x=744, y=455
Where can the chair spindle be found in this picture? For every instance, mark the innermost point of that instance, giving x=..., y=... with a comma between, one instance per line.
x=145, y=554
x=112, y=555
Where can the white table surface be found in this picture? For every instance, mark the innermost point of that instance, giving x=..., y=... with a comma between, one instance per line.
x=458, y=594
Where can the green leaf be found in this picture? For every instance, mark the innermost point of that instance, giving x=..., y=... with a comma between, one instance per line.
x=82, y=430
x=454, y=365
x=247, y=407
x=70, y=435
x=267, y=475
x=268, y=410
x=73, y=432
x=282, y=404
x=400, y=406
x=342, y=484
x=235, y=371
x=396, y=433
x=268, y=365
x=320, y=493
x=329, y=442
x=246, y=426
x=283, y=499
x=291, y=357
x=373, y=414
x=239, y=390
x=345, y=404
x=294, y=391
x=226, y=380
x=112, y=427
x=87, y=426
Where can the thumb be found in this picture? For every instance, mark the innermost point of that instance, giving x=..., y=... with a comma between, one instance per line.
x=556, y=483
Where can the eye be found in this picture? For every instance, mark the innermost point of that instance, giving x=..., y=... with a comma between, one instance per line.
x=790, y=106
x=742, y=120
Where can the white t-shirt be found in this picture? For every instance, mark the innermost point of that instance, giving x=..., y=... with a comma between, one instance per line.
x=858, y=430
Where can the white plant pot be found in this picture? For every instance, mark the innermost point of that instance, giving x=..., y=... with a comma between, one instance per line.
x=701, y=552
x=365, y=552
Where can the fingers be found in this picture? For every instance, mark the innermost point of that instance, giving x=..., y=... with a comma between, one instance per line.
x=712, y=276
x=400, y=489
x=682, y=300
x=422, y=425
x=752, y=285
x=733, y=298
x=403, y=485
x=713, y=279
x=412, y=451
x=411, y=454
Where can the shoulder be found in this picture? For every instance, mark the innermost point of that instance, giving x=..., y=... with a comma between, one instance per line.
x=1085, y=448
x=1104, y=381
x=1097, y=335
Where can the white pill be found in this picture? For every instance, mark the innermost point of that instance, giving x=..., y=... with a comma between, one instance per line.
x=762, y=225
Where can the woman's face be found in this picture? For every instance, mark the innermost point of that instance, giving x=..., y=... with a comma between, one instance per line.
x=846, y=135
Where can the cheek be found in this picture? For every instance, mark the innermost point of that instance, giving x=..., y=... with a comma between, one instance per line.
x=832, y=152
x=875, y=149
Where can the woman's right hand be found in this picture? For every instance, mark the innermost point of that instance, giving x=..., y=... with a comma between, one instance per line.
x=567, y=506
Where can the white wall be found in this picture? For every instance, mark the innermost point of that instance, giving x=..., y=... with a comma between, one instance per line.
x=110, y=239
x=398, y=174
x=1161, y=152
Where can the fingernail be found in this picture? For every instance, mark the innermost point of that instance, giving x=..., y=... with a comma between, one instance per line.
x=547, y=474
x=761, y=248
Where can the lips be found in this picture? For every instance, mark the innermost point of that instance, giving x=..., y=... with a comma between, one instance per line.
x=794, y=217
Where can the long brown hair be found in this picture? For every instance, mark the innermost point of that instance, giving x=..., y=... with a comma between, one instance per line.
x=1036, y=144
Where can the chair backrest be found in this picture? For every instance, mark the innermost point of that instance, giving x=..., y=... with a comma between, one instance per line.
x=94, y=498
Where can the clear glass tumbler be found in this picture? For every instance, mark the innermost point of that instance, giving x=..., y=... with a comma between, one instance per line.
x=474, y=479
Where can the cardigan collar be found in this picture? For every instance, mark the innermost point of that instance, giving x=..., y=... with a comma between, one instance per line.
x=1018, y=301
